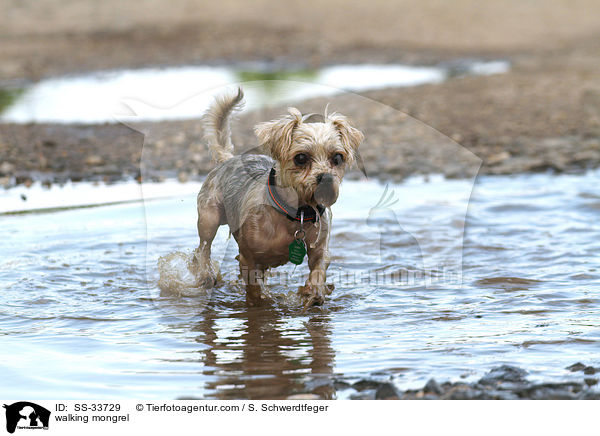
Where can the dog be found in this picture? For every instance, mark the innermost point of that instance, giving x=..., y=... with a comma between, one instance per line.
x=276, y=202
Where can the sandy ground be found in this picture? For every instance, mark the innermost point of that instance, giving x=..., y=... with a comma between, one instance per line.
x=58, y=36
x=544, y=114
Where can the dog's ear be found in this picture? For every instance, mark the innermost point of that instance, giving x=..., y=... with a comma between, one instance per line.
x=276, y=136
x=350, y=136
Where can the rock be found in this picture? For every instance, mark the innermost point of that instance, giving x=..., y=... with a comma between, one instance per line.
x=432, y=387
x=576, y=367
x=387, y=391
x=24, y=180
x=364, y=384
x=94, y=160
x=589, y=370
x=341, y=385
x=504, y=373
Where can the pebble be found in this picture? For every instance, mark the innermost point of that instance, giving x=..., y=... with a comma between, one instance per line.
x=183, y=176
x=303, y=397
x=497, y=158
x=6, y=168
x=94, y=160
x=197, y=157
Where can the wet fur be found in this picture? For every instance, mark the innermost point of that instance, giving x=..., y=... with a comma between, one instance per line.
x=234, y=193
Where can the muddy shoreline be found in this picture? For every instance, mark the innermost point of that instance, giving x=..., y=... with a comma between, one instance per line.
x=398, y=145
x=543, y=115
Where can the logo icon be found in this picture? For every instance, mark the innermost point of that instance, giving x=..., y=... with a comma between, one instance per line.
x=26, y=415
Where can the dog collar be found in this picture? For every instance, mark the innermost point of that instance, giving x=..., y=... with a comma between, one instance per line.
x=283, y=208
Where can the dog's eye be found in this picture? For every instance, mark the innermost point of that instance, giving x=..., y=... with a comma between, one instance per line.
x=301, y=159
x=337, y=159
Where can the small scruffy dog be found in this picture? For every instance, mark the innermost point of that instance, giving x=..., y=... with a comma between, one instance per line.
x=277, y=207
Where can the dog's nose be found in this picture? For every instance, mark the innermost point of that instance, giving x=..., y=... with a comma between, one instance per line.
x=324, y=178
x=326, y=191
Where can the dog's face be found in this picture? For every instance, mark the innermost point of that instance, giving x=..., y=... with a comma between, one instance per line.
x=313, y=156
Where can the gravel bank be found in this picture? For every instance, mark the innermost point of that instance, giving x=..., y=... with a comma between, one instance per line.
x=500, y=383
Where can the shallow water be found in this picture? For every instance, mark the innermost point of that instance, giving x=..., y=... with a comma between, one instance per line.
x=185, y=92
x=82, y=316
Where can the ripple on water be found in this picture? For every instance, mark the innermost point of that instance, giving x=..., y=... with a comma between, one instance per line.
x=507, y=283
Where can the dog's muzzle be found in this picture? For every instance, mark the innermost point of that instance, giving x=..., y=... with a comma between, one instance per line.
x=327, y=189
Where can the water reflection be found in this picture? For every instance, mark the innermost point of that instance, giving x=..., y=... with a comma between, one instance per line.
x=269, y=355
x=176, y=92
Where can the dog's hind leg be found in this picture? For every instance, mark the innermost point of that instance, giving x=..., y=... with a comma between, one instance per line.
x=210, y=217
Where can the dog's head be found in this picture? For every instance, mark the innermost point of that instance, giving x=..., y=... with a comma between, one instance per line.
x=313, y=152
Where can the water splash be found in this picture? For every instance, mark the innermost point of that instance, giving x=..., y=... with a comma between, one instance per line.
x=180, y=275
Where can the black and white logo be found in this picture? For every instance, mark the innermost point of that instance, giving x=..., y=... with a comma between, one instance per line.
x=26, y=415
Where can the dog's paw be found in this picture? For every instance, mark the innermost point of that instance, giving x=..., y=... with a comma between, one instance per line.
x=207, y=281
x=253, y=300
x=207, y=278
x=207, y=275
x=314, y=295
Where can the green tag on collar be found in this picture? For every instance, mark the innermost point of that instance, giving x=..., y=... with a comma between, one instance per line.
x=297, y=251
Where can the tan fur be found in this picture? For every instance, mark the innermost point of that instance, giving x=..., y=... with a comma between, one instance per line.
x=234, y=193
x=217, y=130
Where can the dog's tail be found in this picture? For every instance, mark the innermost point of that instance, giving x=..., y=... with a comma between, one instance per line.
x=217, y=129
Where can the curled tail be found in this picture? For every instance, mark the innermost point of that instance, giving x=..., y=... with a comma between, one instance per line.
x=217, y=130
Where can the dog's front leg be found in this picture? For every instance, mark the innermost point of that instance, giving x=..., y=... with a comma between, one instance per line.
x=253, y=276
x=315, y=289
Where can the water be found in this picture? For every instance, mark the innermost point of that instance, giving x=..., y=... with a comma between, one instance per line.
x=185, y=92
x=507, y=275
